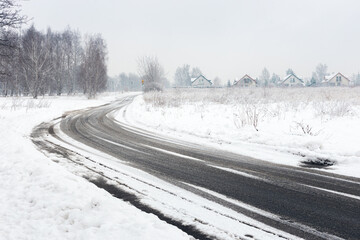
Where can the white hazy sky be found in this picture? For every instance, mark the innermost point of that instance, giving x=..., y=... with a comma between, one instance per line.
x=225, y=38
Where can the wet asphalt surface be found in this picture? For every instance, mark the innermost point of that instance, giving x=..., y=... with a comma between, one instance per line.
x=298, y=195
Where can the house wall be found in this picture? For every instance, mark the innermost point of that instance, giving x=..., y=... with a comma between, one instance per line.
x=201, y=82
x=344, y=81
x=241, y=83
x=288, y=83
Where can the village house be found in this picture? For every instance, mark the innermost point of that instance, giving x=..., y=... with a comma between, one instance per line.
x=337, y=79
x=245, y=81
x=200, y=82
x=292, y=80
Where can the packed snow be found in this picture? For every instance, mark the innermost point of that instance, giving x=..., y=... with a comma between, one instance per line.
x=40, y=199
x=282, y=125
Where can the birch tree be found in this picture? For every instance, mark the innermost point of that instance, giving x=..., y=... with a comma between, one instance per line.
x=71, y=44
x=93, y=69
x=56, y=78
x=182, y=76
x=10, y=20
x=35, y=61
x=9, y=59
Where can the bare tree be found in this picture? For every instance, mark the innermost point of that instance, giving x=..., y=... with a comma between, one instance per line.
x=289, y=71
x=321, y=72
x=71, y=44
x=151, y=72
x=35, y=61
x=134, y=82
x=217, y=82
x=10, y=18
x=93, y=69
x=125, y=82
x=182, y=76
x=55, y=78
x=313, y=79
x=265, y=77
x=275, y=79
x=9, y=58
x=65, y=59
x=195, y=72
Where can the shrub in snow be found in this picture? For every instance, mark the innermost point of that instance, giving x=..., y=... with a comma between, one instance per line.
x=306, y=128
x=249, y=114
x=16, y=103
x=318, y=122
x=332, y=108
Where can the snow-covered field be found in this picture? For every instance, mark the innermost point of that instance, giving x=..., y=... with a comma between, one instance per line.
x=287, y=126
x=40, y=199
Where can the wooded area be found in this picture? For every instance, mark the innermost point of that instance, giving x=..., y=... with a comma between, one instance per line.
x=52, y=63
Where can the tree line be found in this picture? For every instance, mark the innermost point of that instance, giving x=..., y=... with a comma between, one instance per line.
x=150, y=77
x=51, y=63
x=151, y=72
x=321, y=71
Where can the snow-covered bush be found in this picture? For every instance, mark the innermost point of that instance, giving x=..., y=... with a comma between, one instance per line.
x=332, y=108
x=249, y=114
x=311, y=123
x=292, y=96
x=253, y=106
x=37, y=103
x=305, y=128
x=18, y=103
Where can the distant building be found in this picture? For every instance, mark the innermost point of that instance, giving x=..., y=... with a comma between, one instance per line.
x=292, y=80
x=336, y=80
x=245, y=81
x=201, y=82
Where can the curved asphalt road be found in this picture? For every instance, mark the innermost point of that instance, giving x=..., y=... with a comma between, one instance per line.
x=302, y=197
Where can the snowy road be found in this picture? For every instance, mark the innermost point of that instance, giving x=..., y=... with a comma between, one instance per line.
x=298, y=202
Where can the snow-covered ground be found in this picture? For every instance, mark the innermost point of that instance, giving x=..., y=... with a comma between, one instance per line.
x=286, y=126
x=40, y=199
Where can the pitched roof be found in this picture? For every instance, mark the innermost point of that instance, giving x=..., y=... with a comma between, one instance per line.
x=192, y=81
x=292, y=74
x=329, y=77
x=245, y=76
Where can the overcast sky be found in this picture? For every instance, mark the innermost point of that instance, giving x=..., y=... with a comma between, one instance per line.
x=223, y=38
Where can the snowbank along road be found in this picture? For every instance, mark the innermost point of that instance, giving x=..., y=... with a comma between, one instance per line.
x=209, y=194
